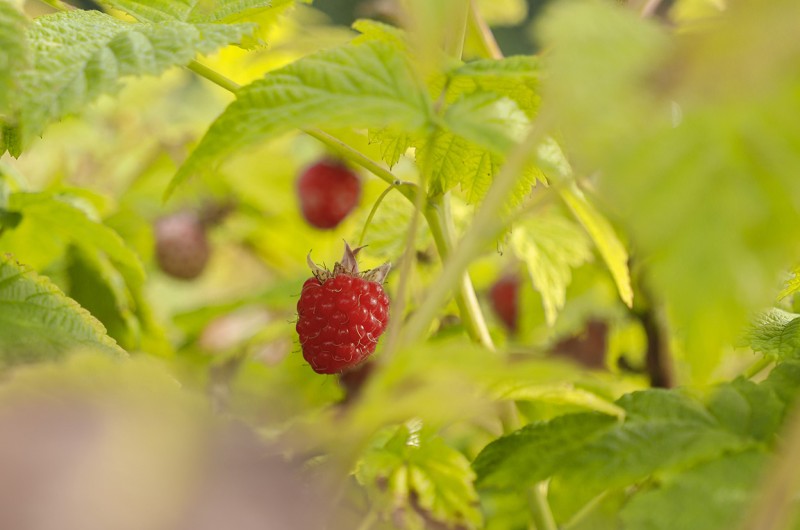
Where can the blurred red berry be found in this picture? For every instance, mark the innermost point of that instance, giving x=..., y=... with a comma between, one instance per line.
x=504, y=296
x=328, y=192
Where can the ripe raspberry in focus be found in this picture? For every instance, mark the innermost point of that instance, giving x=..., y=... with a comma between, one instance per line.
x=504, y=297
x=328, y=191
x=182, y=248
x=341, y=314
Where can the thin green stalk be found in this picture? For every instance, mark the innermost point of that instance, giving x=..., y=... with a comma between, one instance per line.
x=372, y=212
x=440, y=222
x=213, y=76
x=757, y=367
x=454, y=46
x=407, y=189
x=480, y=29
x=540, y=509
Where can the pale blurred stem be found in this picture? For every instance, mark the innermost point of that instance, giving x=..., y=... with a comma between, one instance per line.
x=213, y=76
x=757, y=367
x=485, y=226
x=440, y=221
x=454, y=46
x=478, y=25
x=437, y=217
x=773, y=505
x=540, y=509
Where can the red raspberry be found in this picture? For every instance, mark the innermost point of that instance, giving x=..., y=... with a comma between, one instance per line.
x=182, y=247
x=341, y=314
x=328, y=191
x=504, y=296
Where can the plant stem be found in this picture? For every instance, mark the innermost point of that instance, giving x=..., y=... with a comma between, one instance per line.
x=540, y=509
x=757, y=367
x=440, y=221
x=481, y=29
x=213, y=76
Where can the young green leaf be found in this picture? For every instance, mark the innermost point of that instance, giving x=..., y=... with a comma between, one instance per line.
x=492, y=122
x=193, y=11
x=792, y=285
x=776, y=333
x=516, y=78
x=60, y=223
x=79, y=55
x=426, y=479
x=536, y=451
x=605, y=238
x=38, y=321
x=393, y=143
x=367, y=85
x=550, y=246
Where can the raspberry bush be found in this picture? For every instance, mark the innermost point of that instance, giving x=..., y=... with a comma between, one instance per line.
x=633, y=162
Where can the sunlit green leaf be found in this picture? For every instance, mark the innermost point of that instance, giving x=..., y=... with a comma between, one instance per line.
x=776, y=332
x=550, y=246
x=368, y=85
x=605, y=238
x=516, y=78
x=79, y=55
x=536, y=451
x=38, y=321
x=792, y=285
x=423, y=475
x=195, y=11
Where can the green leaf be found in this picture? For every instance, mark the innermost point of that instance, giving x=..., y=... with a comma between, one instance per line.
x=556, y=395
x=747, y=409
x=424, y=476
x=784, y=381
x=369, y=86
x=14, y=55
x=710, y=496
x=38, y=321
x=393, y=143
x=536, y=451
x=792, y=285
x=80, y=55
x=52, y=222
x=491, y=122
x=450, y=160
x=663, y=430
x=605, y=238
x=196, y=11
x=709, y=209
x=516, y=78
x=550, y=246
x=775, y=333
